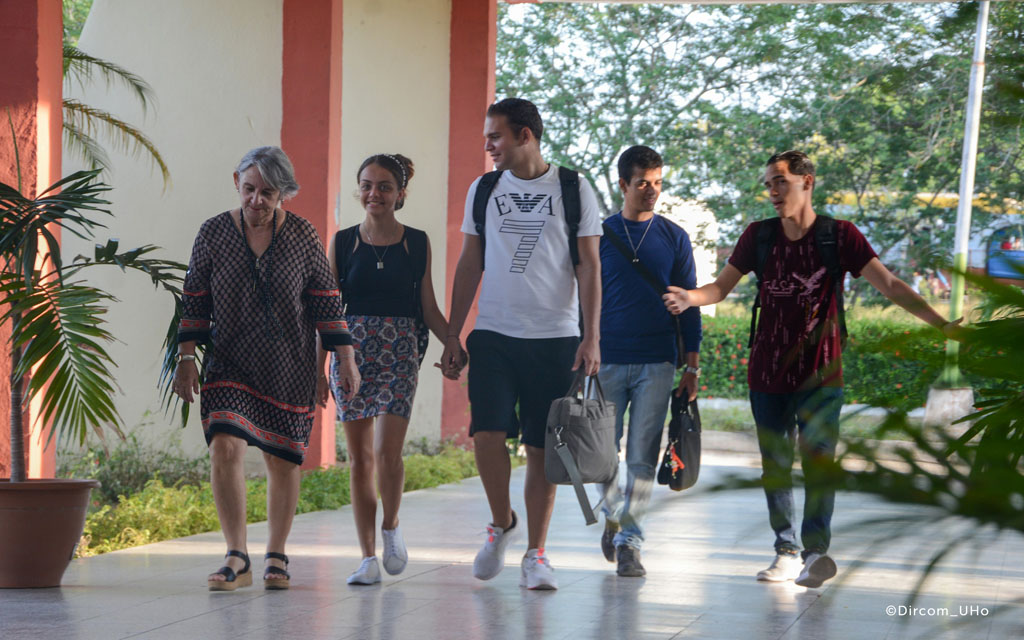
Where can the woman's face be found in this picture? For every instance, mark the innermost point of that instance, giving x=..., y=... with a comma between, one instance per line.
x=378, y=190
x=258, y=198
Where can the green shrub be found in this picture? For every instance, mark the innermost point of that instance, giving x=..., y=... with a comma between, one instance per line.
x=125, y=470
x=155, y=513
x=159, y=512
x=452, y=465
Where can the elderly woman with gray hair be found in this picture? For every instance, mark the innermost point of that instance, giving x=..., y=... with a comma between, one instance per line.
x=258, y=291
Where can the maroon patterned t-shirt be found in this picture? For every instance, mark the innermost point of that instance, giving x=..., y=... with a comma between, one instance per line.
x=796, y=297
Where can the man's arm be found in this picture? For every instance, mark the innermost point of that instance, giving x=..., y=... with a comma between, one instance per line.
x=900, y=292
x=588, y=275
x=678, y=299
x=467, y=278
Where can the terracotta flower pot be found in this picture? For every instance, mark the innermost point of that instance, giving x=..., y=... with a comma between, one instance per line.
x=41, y=521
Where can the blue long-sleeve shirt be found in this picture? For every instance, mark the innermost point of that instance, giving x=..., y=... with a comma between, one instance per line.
x=635, y=326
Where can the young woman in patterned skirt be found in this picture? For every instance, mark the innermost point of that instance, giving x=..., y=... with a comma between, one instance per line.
x=383, y=268
x=258, y=291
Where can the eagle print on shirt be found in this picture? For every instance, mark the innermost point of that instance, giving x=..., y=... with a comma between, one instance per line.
x=528, y=229
x=812, y=294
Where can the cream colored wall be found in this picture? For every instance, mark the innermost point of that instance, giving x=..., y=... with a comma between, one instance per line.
x=395, y=100
x=216, y=70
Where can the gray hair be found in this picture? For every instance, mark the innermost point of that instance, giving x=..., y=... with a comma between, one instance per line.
x=275, y=167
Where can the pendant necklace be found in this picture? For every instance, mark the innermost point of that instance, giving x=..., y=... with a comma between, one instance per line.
x=636, y=258
x=379, y=256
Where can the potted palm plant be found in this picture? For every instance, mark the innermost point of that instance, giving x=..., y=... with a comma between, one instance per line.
x=57, y=355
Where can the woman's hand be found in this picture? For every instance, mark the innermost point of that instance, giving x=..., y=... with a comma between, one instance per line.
x=186, y=380
x=348, y=373
x=323, y=389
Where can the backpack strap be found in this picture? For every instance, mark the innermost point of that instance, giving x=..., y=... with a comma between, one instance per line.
x=767, y=232
x=826, y=238
x=570, y=181
x=480, y=198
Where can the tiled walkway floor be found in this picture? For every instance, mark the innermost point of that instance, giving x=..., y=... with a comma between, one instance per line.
x=702, y=553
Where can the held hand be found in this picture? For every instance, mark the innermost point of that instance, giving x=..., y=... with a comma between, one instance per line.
x=186, y=380
x=323, y=389
x=588, y=355
x=687, y=385
x=453, y=359
x=677, y=300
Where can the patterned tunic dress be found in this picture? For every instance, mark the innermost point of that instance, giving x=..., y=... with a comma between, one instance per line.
x=260, y=382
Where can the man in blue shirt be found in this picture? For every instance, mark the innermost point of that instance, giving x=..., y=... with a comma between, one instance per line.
x=638, y=345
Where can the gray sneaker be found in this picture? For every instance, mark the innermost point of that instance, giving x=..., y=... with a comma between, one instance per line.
x=629, y=562
x=784, y=567
x=395, y=555
x=608, y=539
x=818, y=568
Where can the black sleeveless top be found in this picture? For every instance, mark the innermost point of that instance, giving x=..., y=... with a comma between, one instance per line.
x=369, y=291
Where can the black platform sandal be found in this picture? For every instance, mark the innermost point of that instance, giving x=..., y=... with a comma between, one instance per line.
x=276, y=577
x=231, y=579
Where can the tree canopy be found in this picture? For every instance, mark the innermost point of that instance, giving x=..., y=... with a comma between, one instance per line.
x=875, y=93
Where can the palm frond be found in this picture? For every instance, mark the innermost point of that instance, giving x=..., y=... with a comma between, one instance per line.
x=60, y=334
x=85, y=147
x=80, y=67
x=126, y=138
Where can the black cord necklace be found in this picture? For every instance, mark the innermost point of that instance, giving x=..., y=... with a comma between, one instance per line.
x=261, y=275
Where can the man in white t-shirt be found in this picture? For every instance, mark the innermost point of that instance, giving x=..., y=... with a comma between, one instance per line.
x=525, y=345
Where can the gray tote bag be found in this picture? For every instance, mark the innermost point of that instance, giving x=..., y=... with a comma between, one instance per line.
x=579, y=442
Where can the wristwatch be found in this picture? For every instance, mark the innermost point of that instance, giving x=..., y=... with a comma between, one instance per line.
x=694, y=370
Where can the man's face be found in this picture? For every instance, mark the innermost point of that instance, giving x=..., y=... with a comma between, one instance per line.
x=788, y=192
x=641, y=193
x=501, y=143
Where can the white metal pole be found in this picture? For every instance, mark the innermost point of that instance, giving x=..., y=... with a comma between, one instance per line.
x=951, y=377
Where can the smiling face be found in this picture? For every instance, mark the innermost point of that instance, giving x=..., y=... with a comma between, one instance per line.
x=378, y=190
x=502, y=144
x=641, y=193
x=789, y=193
x=258, y=198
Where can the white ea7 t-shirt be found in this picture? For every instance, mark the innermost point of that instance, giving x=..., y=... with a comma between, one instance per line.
x=529, y=282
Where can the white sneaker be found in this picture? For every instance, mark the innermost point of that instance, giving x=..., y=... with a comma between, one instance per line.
x=785, y=566
x=818, y=568
x=537, y=572
x=395, y=555
x=490, y=560
x=367, y=573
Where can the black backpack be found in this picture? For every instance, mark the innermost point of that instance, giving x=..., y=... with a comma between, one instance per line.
x=826, y=239
x=570, y=181
x=344, y=245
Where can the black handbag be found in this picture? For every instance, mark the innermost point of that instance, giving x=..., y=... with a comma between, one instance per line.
x=680, y=465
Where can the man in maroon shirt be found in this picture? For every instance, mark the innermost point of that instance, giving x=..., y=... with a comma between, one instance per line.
x=795, y=372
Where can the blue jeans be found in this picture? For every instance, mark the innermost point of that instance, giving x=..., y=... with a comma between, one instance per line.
x=809, y=419
x=645, y=388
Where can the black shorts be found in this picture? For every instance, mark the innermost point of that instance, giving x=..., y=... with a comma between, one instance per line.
x=504, y=371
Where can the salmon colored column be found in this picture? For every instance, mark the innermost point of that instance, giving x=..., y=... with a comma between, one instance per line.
x=473, y=41
x=311, y=136
x=30, y=92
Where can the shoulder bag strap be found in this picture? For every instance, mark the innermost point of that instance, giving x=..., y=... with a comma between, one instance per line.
x=648, y=276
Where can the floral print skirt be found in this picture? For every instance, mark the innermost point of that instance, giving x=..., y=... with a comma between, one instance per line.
x=388, y=362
